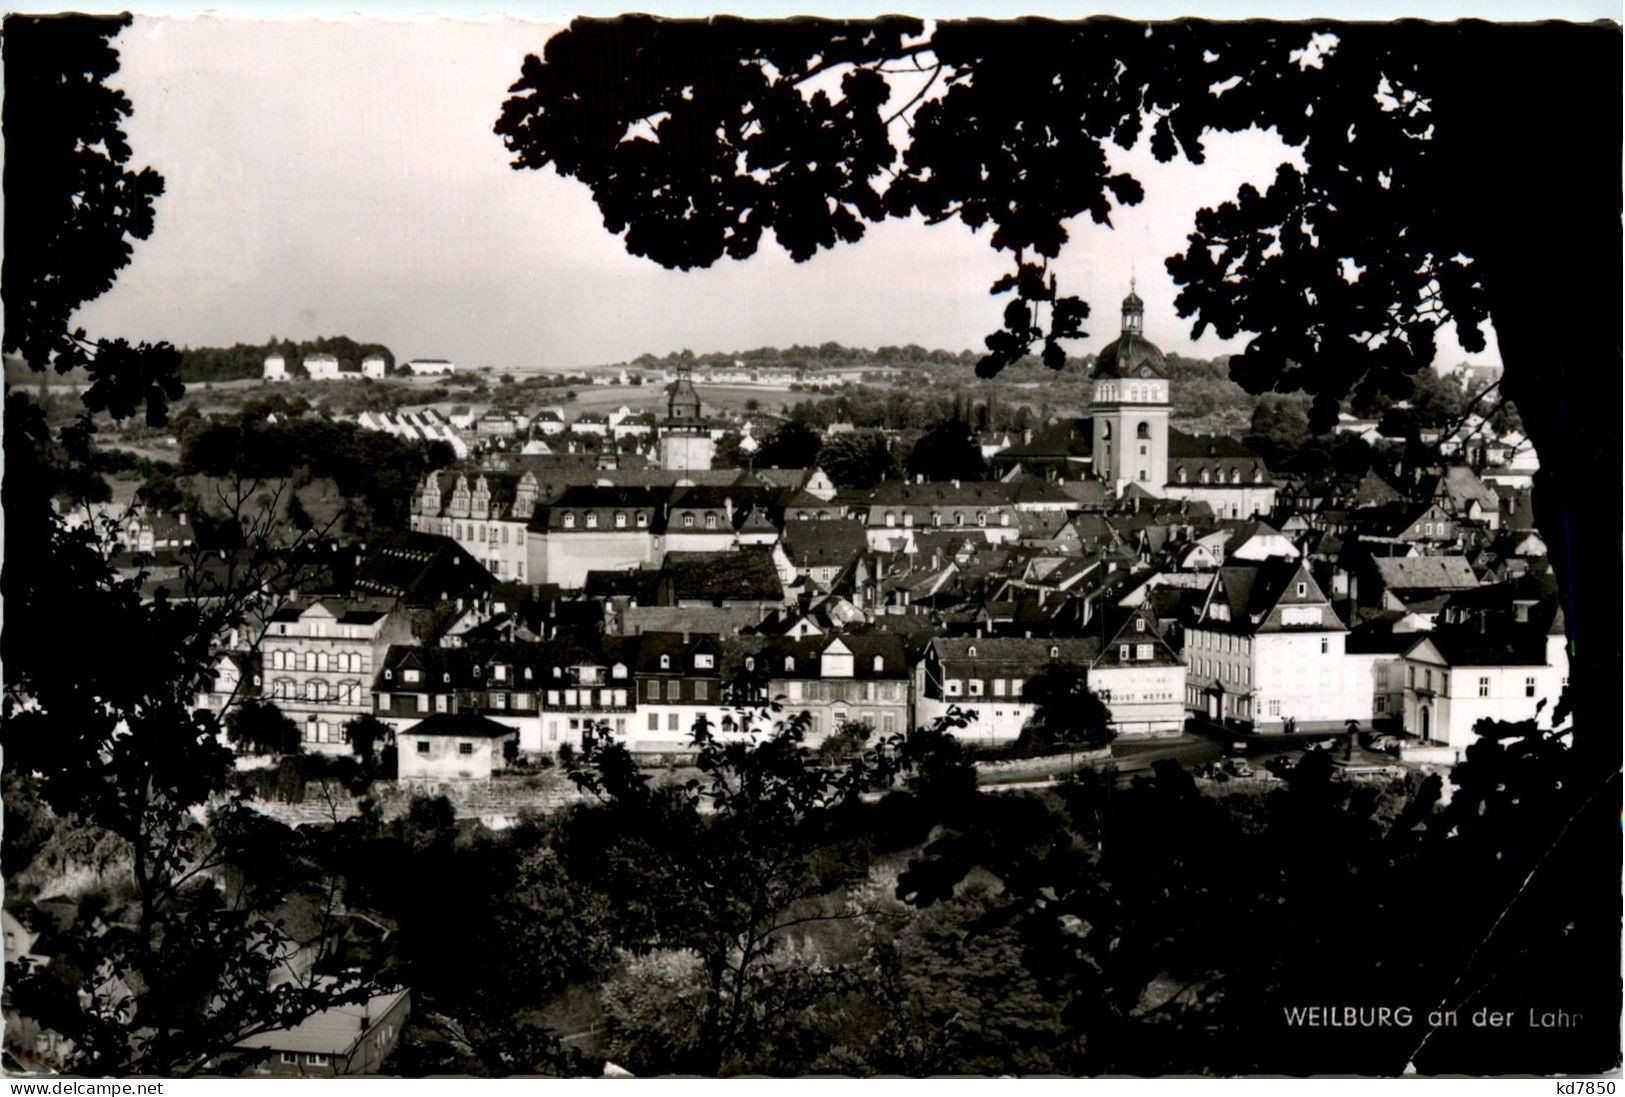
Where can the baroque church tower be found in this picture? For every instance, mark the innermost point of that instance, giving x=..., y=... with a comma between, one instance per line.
x=1131, y=407
x=685, y=439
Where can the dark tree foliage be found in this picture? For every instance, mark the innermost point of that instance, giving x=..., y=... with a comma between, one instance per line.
x=377, y=468
x=857, y=459
x=73, y=206
x=699, y=138
x=262, y=728
x=524, y=930
x=175, y=956
x=947, y=451
x=1175, y=929
x=791, y=445
x=1067, y=714
x=731, y=865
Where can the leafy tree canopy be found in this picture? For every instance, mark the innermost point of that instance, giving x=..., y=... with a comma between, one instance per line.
x=73, y=207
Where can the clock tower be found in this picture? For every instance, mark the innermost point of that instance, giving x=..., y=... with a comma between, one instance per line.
x=1131, y=407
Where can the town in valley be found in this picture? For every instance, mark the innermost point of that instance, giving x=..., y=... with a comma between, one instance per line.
x=469, y=682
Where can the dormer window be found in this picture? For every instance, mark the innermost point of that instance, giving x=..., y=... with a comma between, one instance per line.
x=558, y=672
x=445, y=676
x=704, y=661
x=750, y=662
x=618, y=670
x=643, y=519
x=1182, y=476
x=410, y=675
x=1204, y=477
x=891, y=519
x=528, y=674
x=389, y=675
x=592, y=520
x=1235, y=476
x=981, y=518
x=789, y=662
x=970, y=652
x=710, y=521
x=1054, y=651
x=665, y=662
x=1258, y=476
x=880, y=664
x=501, y=672
x=569, y=521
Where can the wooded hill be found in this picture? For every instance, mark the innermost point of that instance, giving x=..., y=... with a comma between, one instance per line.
x=248, y=360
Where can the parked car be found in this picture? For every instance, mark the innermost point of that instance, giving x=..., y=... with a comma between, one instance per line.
x=1238, y=767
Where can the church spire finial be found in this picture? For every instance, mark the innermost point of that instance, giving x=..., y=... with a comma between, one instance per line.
x=1133, y=310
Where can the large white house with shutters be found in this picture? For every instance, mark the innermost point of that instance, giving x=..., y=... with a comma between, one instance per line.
x=1267, y=652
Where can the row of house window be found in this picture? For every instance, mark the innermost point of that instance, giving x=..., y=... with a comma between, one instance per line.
x=345, y=693
x=838, y=690
x=464, y=748
x=1444, y=683
x=1216, y=476
x=500, y=672
x=973, y=687
x=589, y=520
x=573, y=698
x=1225, y=642
x=317, y=661
x=936, y=519
x=483, y=534
x=1213, y=669
x=323, y=731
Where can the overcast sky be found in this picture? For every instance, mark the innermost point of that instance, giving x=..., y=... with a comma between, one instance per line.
x=341, y=177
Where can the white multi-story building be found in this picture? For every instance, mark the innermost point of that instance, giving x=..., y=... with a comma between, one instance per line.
x=1499, y=653
x=1268, y=651
x=322, y=367
x=276, y=367
x=487, y=513
x=318, y=661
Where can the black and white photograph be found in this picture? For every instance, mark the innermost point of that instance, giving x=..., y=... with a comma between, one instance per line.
x=797, y=544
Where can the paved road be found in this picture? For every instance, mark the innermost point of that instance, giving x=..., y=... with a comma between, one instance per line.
x=1127, y=759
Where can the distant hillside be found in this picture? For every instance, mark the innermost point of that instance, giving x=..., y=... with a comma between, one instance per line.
x=19, y=375
x=1203, y=394
x=824, y=356
x=245, y=360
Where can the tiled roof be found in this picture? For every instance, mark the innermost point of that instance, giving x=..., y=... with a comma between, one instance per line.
x=1425, y=572
x=464, y=725
x=333, y=1031
x=745, y=574
x=823, y=543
